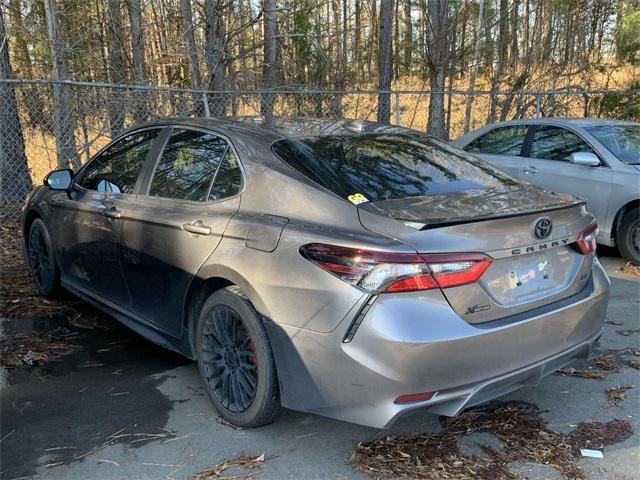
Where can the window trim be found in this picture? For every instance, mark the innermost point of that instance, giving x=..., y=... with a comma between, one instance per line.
x=534, y=127
x=498, y=127
x=124, y=134
x=146, y=184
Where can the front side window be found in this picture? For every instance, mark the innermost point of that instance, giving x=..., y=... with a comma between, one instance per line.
x=500, y=141
x=188, y=165
x=116, y=169
x=379, y=167
x=556, y=143
x=621, y=140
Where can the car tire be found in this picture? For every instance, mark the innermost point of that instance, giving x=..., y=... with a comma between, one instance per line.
x=235, y=359
x=628, y=238
x=42, y=262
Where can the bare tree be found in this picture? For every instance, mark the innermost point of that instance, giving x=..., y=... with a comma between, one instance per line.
x=137, y=41
x=438, y=63
x=64, y=124
x=137, y=58
x=214, y=13
x=408, y=34
x=190, y=39
x=117, y=69
x=270, y=51
x=15, y=181
x=474, y=69
x=385, y=68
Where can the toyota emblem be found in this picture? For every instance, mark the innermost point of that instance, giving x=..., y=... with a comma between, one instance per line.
x=543, y=228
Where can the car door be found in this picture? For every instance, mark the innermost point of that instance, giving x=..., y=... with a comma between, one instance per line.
x=88, y=222
x=501, y=147
x=177, y=224
x=547, y=163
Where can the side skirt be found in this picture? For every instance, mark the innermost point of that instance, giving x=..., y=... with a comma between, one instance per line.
x=180, y=345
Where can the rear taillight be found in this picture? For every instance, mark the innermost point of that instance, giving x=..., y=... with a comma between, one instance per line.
x=586, y=242
x=380, y=272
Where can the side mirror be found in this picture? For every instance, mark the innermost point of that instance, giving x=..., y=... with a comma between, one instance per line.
x=59, y=179
x=587, y=159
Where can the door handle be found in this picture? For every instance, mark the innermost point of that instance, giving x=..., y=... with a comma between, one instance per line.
x=530, y=169
x=197, y=227
x=111, y=212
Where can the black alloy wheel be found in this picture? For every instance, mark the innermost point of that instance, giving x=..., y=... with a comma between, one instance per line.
x=41, y=260
x=235, y=359
x=229, y=359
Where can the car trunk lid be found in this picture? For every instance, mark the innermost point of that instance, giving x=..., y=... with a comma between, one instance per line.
x=527, y=271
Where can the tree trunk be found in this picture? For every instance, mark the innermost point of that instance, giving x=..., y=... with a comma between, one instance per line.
x=385, y=25
x=408, y=35
x=137, y=59
x=117, y=70
x=438, y=60
x=503, y=52
x=358, y=36
x=64, y=124
x=30, y=94
x=474, y=70
x=270, y=52
x=137, y=41
x=189, y=35
x=214, y=53
x=373, y=28
x=15, y=182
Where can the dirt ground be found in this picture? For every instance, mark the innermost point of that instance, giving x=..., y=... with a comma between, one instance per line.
x=84, y=398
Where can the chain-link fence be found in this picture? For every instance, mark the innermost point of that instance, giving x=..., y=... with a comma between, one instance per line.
x=45, y=125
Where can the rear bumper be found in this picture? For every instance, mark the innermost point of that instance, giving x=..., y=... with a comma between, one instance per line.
x=414, y=342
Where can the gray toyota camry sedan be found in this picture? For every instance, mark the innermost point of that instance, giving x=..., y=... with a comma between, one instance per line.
x=348, y=269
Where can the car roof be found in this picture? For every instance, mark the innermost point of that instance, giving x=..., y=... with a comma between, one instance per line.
x=576, y=122
x=273, y=128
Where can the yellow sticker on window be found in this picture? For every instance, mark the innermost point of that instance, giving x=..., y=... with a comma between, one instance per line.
x=357, y=198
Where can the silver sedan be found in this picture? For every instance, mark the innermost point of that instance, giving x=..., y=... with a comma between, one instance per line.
x=597, y=160
x=348, y=269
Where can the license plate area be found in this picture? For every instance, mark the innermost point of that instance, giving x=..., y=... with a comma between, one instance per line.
x=530, y=274
x=526, y=278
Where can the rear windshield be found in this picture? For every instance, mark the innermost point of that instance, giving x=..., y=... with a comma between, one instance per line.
x=387, y=166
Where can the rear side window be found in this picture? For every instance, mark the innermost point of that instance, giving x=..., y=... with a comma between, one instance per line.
x=387, y=166
x=556, y=143
x=116, y=169
x=500, y=141
x=188, y=165
x=228, y=181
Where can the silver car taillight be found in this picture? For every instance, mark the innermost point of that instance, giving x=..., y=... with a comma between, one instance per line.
x=587, y=240
x=379, y=272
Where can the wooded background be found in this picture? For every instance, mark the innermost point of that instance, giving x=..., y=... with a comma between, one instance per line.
x=475, y=61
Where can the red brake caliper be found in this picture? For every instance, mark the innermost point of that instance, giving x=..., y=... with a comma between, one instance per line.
x=253, y=359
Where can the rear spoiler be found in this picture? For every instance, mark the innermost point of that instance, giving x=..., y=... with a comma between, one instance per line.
x=437, y=223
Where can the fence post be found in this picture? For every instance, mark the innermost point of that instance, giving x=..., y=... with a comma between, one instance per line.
x=538, y=106
x=205, y=103
x=397, y=108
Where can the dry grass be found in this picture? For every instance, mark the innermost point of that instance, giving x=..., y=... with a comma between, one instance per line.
x=582, y=373
x=630, y=269
x=519, y=426
x=10, y=244
x=30, y=349
x=617, y=394
x=628, y=332
x=607, y=363
x=241, y=461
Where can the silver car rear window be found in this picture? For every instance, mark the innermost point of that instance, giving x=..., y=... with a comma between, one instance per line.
x=377, y=167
